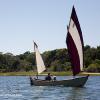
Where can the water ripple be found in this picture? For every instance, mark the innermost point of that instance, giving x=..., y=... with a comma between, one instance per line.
x=19, y=88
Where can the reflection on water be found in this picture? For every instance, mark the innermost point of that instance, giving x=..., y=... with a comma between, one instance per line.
x=18, y=88
x=76, y=94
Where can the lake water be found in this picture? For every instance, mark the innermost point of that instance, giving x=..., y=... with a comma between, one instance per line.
x=19, y=88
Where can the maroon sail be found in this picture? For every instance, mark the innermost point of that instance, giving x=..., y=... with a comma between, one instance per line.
x=75, y=43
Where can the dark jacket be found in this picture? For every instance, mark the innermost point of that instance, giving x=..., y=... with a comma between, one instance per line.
x=48, y=78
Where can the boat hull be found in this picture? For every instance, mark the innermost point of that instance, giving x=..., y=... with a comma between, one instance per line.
x=76, y=82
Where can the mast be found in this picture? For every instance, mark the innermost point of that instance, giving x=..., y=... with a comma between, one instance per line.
x=75, y=43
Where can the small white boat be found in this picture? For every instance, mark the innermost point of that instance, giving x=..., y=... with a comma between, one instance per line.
x=75, y=47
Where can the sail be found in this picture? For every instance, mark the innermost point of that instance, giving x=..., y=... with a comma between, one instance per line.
x=39, y=60
x=75, y=43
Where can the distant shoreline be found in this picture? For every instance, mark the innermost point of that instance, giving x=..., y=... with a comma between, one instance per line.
x=30, y=73
x=90, y=73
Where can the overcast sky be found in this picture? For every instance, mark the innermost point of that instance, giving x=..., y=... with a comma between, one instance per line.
x=45, y=21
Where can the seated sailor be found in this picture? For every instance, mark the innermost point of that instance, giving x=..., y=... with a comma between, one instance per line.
x=54, y=78
x=48, y=77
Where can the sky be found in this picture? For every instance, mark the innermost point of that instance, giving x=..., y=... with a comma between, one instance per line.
x=45, y=22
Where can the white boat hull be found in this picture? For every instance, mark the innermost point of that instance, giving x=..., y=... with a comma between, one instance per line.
x=76, y=82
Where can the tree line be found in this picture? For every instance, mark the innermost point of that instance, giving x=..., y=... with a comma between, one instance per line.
x=55, y=60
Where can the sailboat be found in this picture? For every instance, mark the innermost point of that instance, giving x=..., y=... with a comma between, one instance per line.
x=39, y=63
x=75, y=45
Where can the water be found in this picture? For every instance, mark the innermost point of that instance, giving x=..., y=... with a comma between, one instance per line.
x=19, y=88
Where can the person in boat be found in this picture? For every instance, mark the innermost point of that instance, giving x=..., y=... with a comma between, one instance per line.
x=48, y=77
x=54, y=78
x=35, y=77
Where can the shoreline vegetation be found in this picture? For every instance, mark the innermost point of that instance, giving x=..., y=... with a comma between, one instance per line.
x=30, y=73
x=56, y=60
